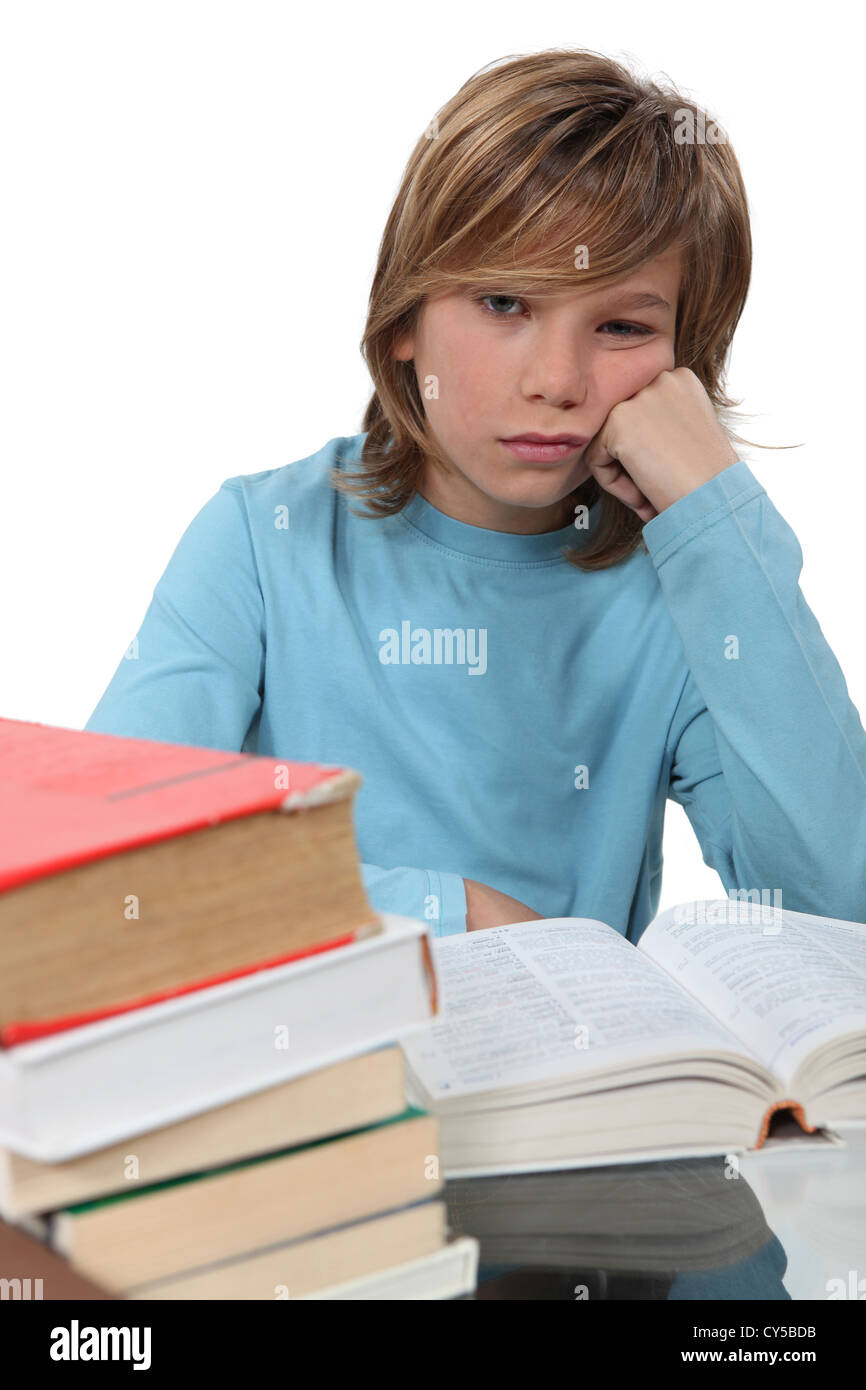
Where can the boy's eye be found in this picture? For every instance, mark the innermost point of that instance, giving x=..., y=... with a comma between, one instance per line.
x=509, y=299
x=631, y=329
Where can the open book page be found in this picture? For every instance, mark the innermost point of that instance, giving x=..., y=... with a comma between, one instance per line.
x=541, y=1000
x=784, y=982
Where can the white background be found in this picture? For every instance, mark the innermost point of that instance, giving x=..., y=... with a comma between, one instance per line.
x=193, y=199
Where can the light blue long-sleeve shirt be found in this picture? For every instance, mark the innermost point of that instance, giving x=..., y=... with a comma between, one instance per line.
x=516, y=720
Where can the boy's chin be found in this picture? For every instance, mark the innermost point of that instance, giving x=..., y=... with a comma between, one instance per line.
x=537, y=492
x=524, y=500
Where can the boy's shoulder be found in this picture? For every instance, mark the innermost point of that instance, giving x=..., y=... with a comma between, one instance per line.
x=302, y=478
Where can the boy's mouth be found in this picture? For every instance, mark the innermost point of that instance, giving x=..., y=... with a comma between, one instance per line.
x=539, y=448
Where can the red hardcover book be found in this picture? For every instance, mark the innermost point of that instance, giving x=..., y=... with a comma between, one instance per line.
x=70, y=799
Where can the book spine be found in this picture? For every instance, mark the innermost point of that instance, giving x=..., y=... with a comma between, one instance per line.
x=796, y=1110
x=430, y=972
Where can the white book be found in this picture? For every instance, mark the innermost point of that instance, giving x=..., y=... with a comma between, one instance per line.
x=561, y=1044
x=80, y=1090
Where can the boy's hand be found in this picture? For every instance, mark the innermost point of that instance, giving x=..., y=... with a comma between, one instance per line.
x=487, y=907
x=659, y=444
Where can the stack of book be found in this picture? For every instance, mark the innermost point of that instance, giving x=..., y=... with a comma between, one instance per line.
x=202, y=1093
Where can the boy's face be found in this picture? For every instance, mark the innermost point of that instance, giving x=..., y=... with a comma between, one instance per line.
x=541, y=364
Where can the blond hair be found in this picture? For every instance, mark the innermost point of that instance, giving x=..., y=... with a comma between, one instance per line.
x=534, y=155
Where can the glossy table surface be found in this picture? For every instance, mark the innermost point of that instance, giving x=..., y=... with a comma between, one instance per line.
x=786, y=1222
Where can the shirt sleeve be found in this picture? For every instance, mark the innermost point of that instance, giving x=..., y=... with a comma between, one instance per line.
x=768, y=754
x=194, y=674
x=437, y=897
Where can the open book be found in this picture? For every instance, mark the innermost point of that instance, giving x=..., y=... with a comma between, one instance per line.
x=561, y=1044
